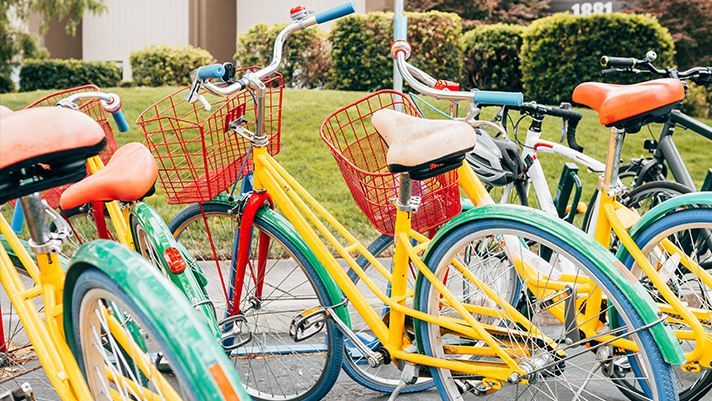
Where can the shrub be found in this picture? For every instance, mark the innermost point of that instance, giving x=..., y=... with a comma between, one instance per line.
x=491, y=57
x=305, y=56
x=361, y=59
x=6, y=84
x=562, y=51
x=65, y=74
x=167, y=65
x=698, y=101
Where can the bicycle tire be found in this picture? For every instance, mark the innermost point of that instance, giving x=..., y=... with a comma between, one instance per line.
x=657, y=374
x=651, y=194
x=317, y=359
x=99, y=347
x=684, y=228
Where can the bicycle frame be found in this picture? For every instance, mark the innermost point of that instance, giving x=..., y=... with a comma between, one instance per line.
x=613, y=217
x=297, y=205
x=47, y=338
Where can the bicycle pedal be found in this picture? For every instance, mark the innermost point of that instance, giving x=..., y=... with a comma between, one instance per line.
x=24, y=393
x=308, y=323
x=233, y=337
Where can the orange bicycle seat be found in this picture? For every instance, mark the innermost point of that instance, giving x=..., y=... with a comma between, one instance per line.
x=629, y=105
x=129, y=176
x=44, y=148
x=4, y=110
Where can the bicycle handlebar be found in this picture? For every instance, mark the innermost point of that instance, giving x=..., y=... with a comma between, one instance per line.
x=254, y=78
x=700, y=75
x=110, y=102
x=335, y=12
x=210, y=71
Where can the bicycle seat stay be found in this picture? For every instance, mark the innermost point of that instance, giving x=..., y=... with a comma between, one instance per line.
x=415, y=143
x=49, y=145
x=630, y=106
x=130, y=175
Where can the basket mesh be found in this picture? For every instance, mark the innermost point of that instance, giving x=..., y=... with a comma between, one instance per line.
x=361, y=156
x=198, y=157
x=93, y=109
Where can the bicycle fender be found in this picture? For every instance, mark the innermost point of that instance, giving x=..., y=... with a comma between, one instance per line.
x=604, y=260
x=141, y=280
x=286, y=229
x=162, y=239
x=695, y=198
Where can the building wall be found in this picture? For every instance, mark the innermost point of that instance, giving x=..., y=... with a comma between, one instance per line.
x=56, y=40
x=213, y=26
x=251, y=12
x=133, y=25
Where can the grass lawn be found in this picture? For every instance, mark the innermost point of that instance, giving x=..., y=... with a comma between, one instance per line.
x=307, y=158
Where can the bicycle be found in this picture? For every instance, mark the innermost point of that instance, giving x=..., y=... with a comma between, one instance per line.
x=88, y=341
x=500, y=340
x=108, y=204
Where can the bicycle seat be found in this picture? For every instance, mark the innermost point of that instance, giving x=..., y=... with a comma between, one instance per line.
x=4, y=110
x=43, y=148
x=130, y=175
x=416, y=144
x=630, y=106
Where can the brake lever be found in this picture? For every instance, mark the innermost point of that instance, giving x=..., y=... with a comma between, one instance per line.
x=194, y=95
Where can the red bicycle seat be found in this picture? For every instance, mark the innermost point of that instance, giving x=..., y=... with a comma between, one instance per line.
x=616, y=103
x=129, y=175
x=45, y=134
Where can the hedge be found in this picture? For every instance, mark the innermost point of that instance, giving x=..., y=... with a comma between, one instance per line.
x=305, y=56
x=360, y=54
x=65, y=74
x=562, y=51
x=491, y=57
x=167, y=65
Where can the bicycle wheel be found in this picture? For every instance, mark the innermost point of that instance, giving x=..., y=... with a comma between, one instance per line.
x=687, y=230
x=81, y=220
x=516, y=194
x=649, y=195
x=144, y=245
x=386, y=377
x=117, y=365
x=271, y=364
x=577, y=374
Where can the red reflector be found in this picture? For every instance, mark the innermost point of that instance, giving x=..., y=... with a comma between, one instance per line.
x=174, y=260
x=297, y=9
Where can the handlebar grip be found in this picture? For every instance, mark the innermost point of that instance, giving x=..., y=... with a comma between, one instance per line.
x=211, y=71
x=571, y=115
x=401, y=29
x=18, y=218
x=499, y=98
x=571, y=136
x=618, y=61
x=120, y=120
x=335, y=12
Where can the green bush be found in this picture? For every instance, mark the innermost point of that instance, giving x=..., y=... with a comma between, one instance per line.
x=562, y=51
x=64, y=74
x=167, y=65
x=698, y=101
x=305, y=56
x=491, y=57
x=6, y=84
x=360, y=55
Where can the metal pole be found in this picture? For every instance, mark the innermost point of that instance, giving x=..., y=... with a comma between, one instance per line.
x=397, y=79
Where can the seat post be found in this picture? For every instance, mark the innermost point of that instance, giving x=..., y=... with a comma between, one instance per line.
x=35, y=217
x=615, y=146
x=404, y=192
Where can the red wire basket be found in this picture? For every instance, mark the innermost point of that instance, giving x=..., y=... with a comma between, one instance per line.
x=198, y=157
x=93, y=109
x=361, y=155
